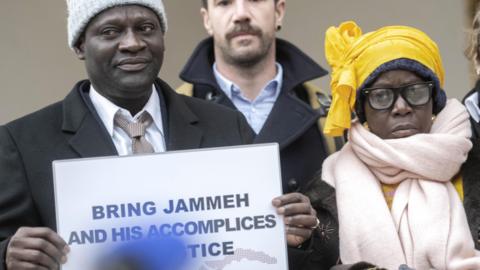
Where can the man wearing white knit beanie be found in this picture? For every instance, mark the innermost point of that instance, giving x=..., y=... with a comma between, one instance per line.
x=121, y=43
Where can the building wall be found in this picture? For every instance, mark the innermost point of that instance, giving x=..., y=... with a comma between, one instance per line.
x=37, y=67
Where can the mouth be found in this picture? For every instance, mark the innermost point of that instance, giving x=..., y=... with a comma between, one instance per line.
x=132, y=64
x=241, y=34
x=402, y=131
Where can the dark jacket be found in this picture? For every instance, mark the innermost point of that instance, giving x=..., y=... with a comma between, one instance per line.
x=292, y=121
x=326, y=245
x=72, y=129
x=471, y=178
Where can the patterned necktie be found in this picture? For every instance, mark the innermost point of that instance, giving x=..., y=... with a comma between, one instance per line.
x=136, y=131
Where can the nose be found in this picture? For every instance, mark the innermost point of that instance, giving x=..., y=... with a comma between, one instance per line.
x=131, y=42
x=242, y=13
x=401, y=107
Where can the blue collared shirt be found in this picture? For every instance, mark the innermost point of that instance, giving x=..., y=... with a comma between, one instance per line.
x=256, y=112
x=472, y=107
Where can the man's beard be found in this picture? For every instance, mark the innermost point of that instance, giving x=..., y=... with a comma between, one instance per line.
x=251, y=57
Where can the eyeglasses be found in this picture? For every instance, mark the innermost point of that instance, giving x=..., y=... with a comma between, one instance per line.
x=383, y=98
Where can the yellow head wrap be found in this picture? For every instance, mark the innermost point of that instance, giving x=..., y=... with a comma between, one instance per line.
x=353, y=57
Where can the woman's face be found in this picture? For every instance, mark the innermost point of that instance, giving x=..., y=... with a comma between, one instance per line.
x=401, y=119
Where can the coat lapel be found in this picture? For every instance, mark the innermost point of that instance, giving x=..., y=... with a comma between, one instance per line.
x=290, y=118
x=181, y=121
x=89, y=141
x=89, y=137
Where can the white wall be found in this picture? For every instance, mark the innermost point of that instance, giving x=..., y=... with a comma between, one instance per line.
x=37, y=67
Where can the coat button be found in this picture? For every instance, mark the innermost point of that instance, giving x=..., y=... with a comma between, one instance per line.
x=478, y=235
x=292, y=185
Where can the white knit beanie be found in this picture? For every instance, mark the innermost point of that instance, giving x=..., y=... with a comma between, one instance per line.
x=80, y=12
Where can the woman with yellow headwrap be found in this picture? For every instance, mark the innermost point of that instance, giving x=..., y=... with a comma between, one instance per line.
x=395, y=200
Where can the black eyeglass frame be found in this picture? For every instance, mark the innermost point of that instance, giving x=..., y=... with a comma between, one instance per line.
x=399, y=91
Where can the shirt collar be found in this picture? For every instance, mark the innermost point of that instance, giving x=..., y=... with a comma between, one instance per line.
x=106, y=109
x=472, y=106
x=230, y=89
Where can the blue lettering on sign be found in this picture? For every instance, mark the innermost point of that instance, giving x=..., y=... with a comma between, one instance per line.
x=207, y=203
x=87, y=237
x=123, y=210
x=211, y=249
x=127, y=234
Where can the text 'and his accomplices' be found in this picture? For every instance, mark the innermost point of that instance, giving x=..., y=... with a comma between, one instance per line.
x=189, y=228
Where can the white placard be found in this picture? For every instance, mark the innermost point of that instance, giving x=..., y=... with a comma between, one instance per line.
x=219, y=200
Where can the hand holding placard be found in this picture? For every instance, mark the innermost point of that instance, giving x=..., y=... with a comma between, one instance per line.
x=34, y=248
x=299, y=217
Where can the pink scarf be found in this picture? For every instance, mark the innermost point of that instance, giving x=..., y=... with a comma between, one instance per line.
x=426, y=227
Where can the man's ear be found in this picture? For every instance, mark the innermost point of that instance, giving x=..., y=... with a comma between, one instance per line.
x=279, y=13
x=79, y=48
x=206, y=21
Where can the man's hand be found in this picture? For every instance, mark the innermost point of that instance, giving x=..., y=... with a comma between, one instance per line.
x=299, y=216
x=36, y=248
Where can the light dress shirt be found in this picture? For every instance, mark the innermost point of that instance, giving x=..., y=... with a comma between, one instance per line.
x=472, y=107
x=123, y=143
x=256, y=112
